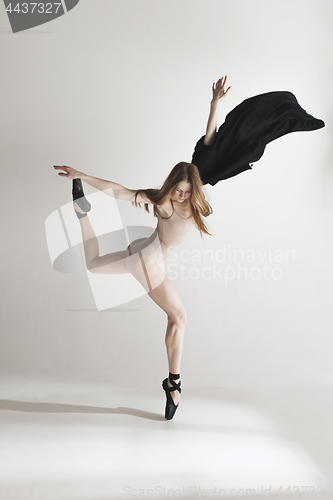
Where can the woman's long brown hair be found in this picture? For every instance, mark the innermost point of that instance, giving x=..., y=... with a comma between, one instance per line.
x=181, y=172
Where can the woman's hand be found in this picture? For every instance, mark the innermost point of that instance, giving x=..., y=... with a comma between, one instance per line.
x=218, y=89
x=70, y=172
x=218, y=94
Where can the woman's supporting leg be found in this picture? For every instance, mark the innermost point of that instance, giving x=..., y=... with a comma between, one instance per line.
x=165, y=296
x=153, y=279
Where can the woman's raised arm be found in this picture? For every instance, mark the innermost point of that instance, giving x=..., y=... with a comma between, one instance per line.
x=218, y=94
x=108, y=187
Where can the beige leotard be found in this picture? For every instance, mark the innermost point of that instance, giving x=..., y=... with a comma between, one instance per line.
x=169, y=233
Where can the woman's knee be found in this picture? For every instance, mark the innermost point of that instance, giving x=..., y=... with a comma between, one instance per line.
x=178, y=318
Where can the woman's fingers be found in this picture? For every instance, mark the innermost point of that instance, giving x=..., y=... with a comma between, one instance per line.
x=218, y=88
x=220, y=83
x=67, y=171
x=63, y=167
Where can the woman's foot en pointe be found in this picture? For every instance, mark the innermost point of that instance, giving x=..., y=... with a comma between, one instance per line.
x=172, y=390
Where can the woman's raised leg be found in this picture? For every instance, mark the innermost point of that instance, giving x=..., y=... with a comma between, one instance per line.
x=111, y=263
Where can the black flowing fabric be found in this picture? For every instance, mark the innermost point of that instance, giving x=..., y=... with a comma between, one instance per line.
x=247, y=129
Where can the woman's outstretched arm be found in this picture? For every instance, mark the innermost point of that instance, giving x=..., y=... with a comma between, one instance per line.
x=218, y=94
x=108, y=187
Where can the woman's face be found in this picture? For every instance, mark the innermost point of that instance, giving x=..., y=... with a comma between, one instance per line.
x=183, y=191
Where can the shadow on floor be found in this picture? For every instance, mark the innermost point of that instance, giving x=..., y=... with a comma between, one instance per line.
x=25, y=406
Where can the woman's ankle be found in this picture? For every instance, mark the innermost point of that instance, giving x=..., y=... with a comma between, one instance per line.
x=79, y=212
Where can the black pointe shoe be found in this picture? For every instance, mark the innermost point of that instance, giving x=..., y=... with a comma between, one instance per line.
x=79, y=198
x=170, y=407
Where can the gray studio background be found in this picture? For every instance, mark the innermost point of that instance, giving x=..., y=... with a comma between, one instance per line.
x=121, y=91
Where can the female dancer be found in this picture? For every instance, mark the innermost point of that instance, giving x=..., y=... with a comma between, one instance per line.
x=180, y=203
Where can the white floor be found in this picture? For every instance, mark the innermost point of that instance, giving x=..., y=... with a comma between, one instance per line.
x=69, y=443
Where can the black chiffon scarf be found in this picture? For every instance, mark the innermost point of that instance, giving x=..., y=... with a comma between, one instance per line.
x=242, y=138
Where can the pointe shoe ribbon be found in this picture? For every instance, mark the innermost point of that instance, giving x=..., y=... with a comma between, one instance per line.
x=170, y=407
